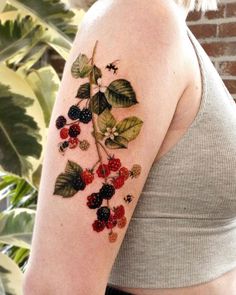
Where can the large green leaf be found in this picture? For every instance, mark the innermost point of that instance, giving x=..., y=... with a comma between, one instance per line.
x=18, y=37
x=16, y=227
x=18, y=131
x=54, y=18
x=12, y=30
x=120, y=94
x=106, y=119
x=45, y=83
x=129, y=128
x=2, y=4
x=11, y=277
x=53, y=13
x=22, y=133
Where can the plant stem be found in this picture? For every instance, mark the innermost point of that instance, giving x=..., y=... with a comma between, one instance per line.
x=72, y=123
x=104, y=148
x=95, y=165
x=93, y=119
x=78, y=103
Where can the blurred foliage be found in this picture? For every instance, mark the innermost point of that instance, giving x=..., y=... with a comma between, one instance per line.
x=28, y=88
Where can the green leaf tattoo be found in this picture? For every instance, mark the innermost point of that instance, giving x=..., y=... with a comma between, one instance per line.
x=64, y=182
x=81, y=67
x=129, y=128
x=106, y=120
x=120, y=94
x=98, y=103
x=84, y=91
x=63, y=185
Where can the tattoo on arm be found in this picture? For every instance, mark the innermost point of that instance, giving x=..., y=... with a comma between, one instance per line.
x=108, y=135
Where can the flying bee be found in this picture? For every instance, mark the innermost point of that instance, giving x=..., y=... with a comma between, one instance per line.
x=63, y=146
x=128, y=198
x=112, y=66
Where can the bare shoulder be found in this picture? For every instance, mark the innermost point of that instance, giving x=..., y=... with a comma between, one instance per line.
x=155, y=21
x=149, y=38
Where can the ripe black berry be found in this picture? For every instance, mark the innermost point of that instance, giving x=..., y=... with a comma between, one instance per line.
x=103, y=213
x=107, y=191
x=74, y=130
x=85, y=115
x=74, y=112
x=60, y=122
x=94, y=201
x=77, y=183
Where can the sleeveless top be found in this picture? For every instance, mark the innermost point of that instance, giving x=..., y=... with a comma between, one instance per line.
x=183, y=229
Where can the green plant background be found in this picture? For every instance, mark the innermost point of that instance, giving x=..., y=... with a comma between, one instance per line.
x=29, y=30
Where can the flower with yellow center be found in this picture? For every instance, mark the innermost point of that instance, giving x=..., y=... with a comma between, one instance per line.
x=111, y=132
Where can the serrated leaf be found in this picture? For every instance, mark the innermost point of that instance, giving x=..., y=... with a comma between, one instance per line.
x=63, y=185
x=84, y=91
x=96, y=74
x=129, y=128
x=105, y=119
x=81, y=67
x=73, y=168
x=120, y=94
x=99, y=103
x=99, y=135
x=118, y=142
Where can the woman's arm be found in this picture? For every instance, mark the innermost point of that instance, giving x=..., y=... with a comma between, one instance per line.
x=124, y=68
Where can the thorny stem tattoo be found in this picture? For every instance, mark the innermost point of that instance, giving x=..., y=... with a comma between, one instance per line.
x=108, y=135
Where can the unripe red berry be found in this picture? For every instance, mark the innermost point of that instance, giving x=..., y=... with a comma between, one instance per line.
x=124, y=172
x=73, y=142
x=64, y=133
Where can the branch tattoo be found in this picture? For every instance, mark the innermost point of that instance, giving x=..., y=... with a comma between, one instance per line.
x=108, y=135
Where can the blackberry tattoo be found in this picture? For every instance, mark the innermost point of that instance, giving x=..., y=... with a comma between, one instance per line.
x=109, y=135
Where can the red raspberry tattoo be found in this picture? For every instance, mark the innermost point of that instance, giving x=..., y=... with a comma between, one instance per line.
x=111, y=222
x=87, y=176
x=119, y=212
x=99, y=225
x=73, y=142
x=118, y=182
x=124, y=172
x=103, y=170
x=114, y=164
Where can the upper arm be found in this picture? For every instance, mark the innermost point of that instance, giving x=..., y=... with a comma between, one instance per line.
x=72, y=241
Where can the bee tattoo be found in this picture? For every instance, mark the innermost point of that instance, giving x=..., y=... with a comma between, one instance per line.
x=128, y=198
x=112, y=66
